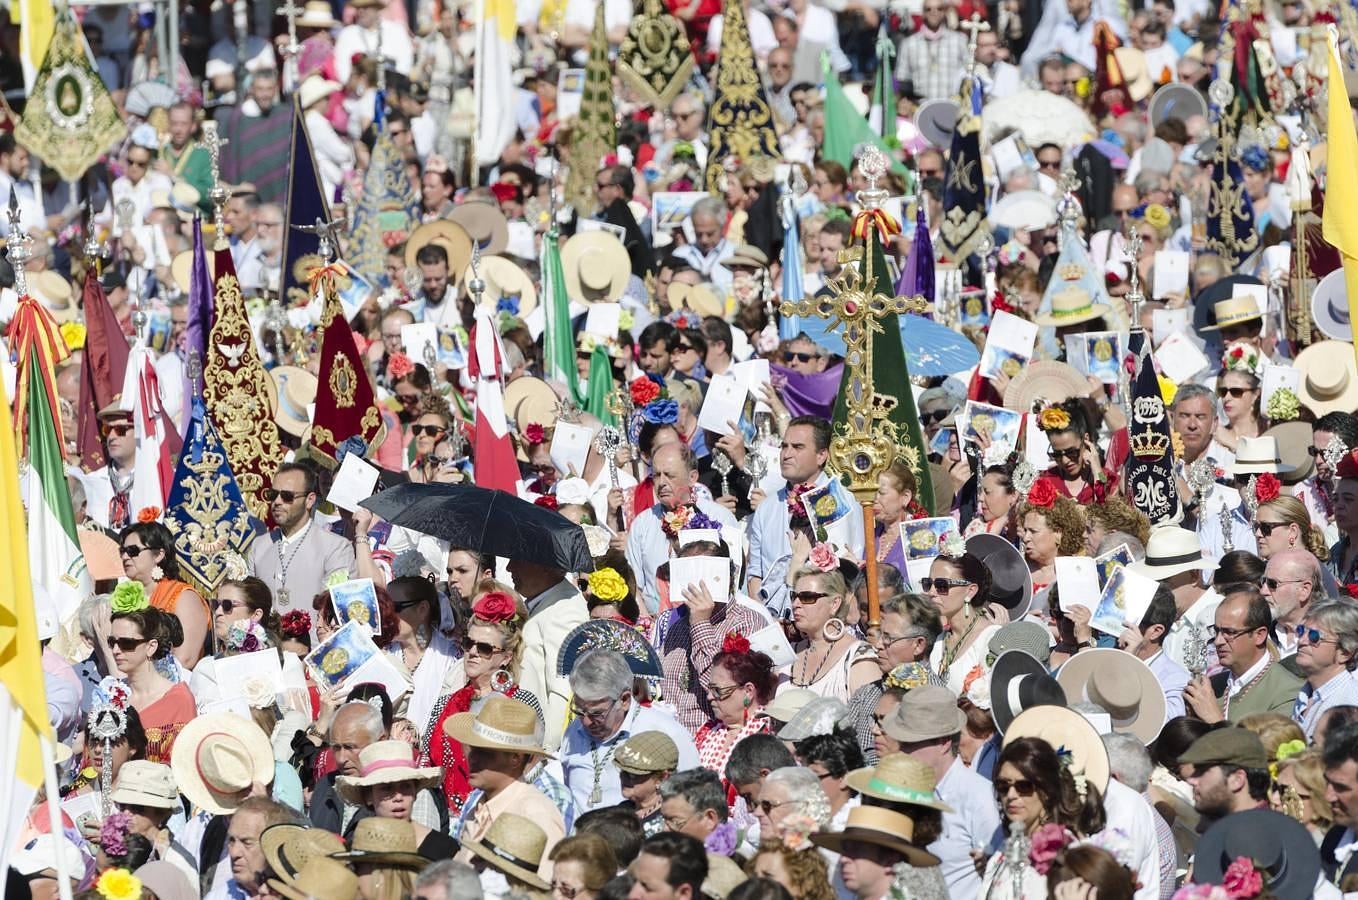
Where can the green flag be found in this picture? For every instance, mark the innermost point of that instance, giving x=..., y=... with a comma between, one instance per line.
x=883, y=112
x=845, y=129
x=558, y=344
x=891, y=377
x=600, y=385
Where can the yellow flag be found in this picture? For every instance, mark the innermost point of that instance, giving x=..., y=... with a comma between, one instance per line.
x=20, y=654
x=1340, y=221
x=35, y=18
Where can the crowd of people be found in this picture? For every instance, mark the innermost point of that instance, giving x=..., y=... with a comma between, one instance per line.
x=601, y=555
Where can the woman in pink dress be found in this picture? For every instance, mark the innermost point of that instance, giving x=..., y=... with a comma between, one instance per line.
x=139, y=635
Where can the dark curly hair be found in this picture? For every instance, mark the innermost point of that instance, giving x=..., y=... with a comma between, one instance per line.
x=1096, y=866
x=1038, y=762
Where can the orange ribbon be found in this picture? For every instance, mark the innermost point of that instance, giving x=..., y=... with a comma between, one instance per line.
x=875, y=218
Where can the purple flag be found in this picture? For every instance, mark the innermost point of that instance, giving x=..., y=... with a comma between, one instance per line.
x=200, y=318
x=917, y=278
x=808, y=395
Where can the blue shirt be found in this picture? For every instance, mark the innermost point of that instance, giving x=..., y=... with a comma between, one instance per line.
x=1173, y=679
x=1341, y=690
x=583, y=758
x=972, y=824
x=648, y=548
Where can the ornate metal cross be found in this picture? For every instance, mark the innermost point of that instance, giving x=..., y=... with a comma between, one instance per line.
x=218, y=194
x=975, y=25
x=19, y=247
x=292, y=49
x=328, y=246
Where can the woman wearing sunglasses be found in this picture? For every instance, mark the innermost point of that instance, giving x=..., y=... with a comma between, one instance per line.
x=140, y=634
x=149, y=558
x=490, y=659
x=960, y=587
x=421, y=651
x=249, y=601
x=1238, y=391
x=1078, y=469
x=831, y=660
x=739, y=684
x=1284, y=524
x=432, y=421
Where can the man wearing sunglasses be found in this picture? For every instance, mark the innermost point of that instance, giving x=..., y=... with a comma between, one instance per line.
x=1327, y=651
x=1290, y=584
x=302, y=552
x=108, y=490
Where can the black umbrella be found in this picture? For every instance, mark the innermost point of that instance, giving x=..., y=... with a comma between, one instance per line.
x=492, y=522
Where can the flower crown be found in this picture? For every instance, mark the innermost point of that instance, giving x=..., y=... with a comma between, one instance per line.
x=607, y=585
x=296, y=623
x=129, y=597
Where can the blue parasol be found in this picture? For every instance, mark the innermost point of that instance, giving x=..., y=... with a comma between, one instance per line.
x=930, y=348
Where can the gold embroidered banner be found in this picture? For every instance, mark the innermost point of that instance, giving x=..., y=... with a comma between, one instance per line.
x=70, y=118
x=595, y=135
x=740, y=122
x=346, y=403
x=656, y=57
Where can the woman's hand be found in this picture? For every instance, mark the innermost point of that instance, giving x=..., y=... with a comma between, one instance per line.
x=363, y=519
x=699, y=601
x=329, y=705
x=733, y=445
x=615, y=499
x=1080, y=616
x=1076, y=889
x=801, y=551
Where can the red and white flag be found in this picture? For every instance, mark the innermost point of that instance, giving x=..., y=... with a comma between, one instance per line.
x=492, y=447
x=154, y=468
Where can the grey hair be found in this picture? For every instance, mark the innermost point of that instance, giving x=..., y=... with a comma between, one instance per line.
x=1128, y=760
x=77, y=490
x=1341, y=617
x=88, y=614
x=803, y=788
x=366, y=717
x=459, y=880
x=701, y=788
x=1196, y=392
x=711, y=207
x=601, y=675
x=1112, y=539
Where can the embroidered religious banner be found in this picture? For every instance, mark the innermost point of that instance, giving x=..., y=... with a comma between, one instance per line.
x=739, y=122
x=595, y=134
x=655, y=58
x=346, y=402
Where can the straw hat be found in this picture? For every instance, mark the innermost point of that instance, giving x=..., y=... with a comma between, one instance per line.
x=1133, y=64
x=143, y=783
x=646, y=753
x=880, y=827
x=723, y=877
x=505, y=280
x=385, y=762
x=698, y=297
x=1329, y=377
x=315, y=89
x=1171, y=551
x=900, y=778
x=502, y=724
x=181, y=269
x=514, y=845
x=1294, y=438
x=788, y=703
x=1071, y=305
x=296, y=389
x=1120, y=683
x=1019, y=682
x=380, y=841
x=316, y=14
x=288, y=848
x=101, y=554
x=1255, y=456
x=1233, y=311
x=217, y=757
x=185, y=198
x=55, y=293
x=484, y=223
x=1047, y=381
x=747, y=256
x=596, y=266
x=530, y=400
x=449, y=235
x=1068, y=730
x=321, y=878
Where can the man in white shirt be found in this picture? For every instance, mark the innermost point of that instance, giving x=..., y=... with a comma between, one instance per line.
x=438, y=301
x=709, y=248
x=555, y=607
x=246, y=251
x=14, y=175
x=302, y=552
x=606, y=715
x=1174, y=558
x=369, y=32
x=140, y=182
x=1326, y=652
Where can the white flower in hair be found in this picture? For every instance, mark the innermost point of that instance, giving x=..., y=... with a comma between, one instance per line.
x=979, y=692
x=258, y=693
x=954, y=545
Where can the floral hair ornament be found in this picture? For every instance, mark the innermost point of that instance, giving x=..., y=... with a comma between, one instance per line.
x=1068, y=763
x=1048, y=842
x=1156, y=216
x=547, y=501
x=738, y=644
x=1243, y=357
x=1267, y=487
x=1053, y=418
x=1042, y=494
x=643, y=391
x=953, y=545
x=246, y=636
x=129, y=597
x=795, y=831
x=534, y=434
x=113, y=834
x=118, y=884
x=295, y=623
x=73, y=333
x=495, y=607
x=607, y=585
x=906, y=677
x=823, y=557
x=399, y=366
x=1242, y=879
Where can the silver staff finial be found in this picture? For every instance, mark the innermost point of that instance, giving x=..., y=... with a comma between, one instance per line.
x=19, y=248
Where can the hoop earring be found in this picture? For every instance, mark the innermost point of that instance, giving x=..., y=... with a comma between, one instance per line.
x=837, y=626
x=501, y=681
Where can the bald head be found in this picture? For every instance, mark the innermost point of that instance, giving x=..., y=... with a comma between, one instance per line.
x=1292, y=580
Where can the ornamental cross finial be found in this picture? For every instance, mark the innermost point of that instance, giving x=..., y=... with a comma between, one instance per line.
x=1134, y=295
x=292, y=49
x=218, y=193
x=19, y=247
x=325, y=232
x=975, y=25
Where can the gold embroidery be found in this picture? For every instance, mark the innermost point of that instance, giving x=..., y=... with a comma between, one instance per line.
x=385, y=214
x=239, y=394
x=655, y=58
x=347, y=403
x=740, y=123
x=343, y=382
x=595, y=134
x=206, y=523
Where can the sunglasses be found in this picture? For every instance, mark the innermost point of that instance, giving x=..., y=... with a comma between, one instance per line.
x=118, y=430
x=1071, y=453
x=799, y=357
x=941, y=585
x=481, y=647
x=226, y=605
x=768, y=807
x=271, y=495
x=1022, y=786
x=408, y=399
x=1266, y=528
x=938, y=415
x=682, y=348
x=127, y=645
x=1056, y=164
x=132, y=551
x=1313, y=636
x=1273, y=583
x=431, y=430
x=807, y=596
x=1236, y=392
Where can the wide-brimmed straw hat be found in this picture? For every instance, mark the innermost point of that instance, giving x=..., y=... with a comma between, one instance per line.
x=484, y=223
x=389, y=843
x=216, y=759
x=316, y=14
x=1072, y=305
x=1069, y=732
x=315, y=89
x=1233, y=311
x=501, y=724
x=319, y=878
x=514, y=845
x=1120, y=683
x=1047, y=381
x=505, y=280
x=1329, y=377
x=296, y=390
x=880, y=827
x=288, y=847
x=596, y=266
x=900, y=778
x=451, y=236
x=385, y=762
x=1170, y=551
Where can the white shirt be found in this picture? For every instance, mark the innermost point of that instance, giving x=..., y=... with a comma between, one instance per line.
x=140, y=193
x=397, y=47
x=1236, y=685
x=585, y=761
x=762, y=38
x=333, y=155
x=1196, y=618
x=1129, y=813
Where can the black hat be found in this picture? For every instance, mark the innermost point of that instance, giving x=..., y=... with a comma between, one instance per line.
x=1019, y=682
x=1011, y=583
x=1280, y=847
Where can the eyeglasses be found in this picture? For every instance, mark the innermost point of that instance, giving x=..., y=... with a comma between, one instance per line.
x=431, y=430
x=1313, y=636
x=1236, y=392
x=601, y=185
x=408, y=399
x=225, y=605
x=1022, y=786
x=593, y=715
x=1229, y=633
x=677, y=824
x=799, y=357
x=941, y=585
x=721, y=693
x=807, y=597
x=1266, y=528
x=132, y=551
x=127, y=645
x=778, y=65
x=938, y=415
x=270, y=494
x=1068, y=453
x=118, y=430
x=768, y=807
x=1272, y=583
x=888, y=640
x=481, y=647
x=565, y=890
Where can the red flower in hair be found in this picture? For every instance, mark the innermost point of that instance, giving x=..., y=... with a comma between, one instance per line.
x=495, y=606
x=534, y=434
x=1267, y=487
x=504, y=191
x=148, y=514
x=399, y=366
x=1042, y=494
x=1352, y=590
x=735, y=643
x=1242, y=880
x=1237, y=353
x=295, y=623
x=644, y=390
x=546, y=501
